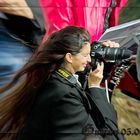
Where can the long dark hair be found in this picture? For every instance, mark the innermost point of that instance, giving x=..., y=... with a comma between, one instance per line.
x=24, y=88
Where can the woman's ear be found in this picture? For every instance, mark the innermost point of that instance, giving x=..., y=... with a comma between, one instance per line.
x=68, y=57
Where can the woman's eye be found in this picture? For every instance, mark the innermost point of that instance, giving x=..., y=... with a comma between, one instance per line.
x=86, y=55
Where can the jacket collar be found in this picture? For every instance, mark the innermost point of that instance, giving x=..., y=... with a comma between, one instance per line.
x=64, y=74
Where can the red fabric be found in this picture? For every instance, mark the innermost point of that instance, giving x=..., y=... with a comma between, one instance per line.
x=86, y=13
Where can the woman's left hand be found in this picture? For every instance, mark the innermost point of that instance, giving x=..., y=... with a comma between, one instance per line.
x=96, y=76
x=111, y=44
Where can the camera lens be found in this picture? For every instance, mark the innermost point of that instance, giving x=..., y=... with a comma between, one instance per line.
x=115, y=54
x=98, y=51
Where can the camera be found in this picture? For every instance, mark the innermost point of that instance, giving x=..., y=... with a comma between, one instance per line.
x=101, y=53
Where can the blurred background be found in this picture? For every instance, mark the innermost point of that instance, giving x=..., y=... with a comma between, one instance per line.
x=128, y=108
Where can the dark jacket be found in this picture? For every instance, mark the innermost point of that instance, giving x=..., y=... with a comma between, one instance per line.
x=63, y=111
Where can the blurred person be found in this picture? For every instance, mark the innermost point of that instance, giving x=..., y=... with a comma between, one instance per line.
x=21, y=31
x=49, y=103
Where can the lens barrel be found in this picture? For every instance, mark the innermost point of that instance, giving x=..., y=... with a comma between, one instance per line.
x=98, y=51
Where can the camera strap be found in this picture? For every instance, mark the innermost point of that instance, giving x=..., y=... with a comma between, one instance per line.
x=108, y=13
x=66, y=75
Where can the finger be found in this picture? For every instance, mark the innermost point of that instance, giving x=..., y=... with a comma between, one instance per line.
x=111, y=44
x=99, y=68
x=114, y=45
x=106, y=43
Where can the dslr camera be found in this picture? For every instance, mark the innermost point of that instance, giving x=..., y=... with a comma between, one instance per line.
x=101, y=53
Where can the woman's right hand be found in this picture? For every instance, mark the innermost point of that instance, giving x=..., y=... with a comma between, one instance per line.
x=96, y=76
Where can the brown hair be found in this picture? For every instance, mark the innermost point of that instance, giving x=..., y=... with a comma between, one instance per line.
x=23, y=90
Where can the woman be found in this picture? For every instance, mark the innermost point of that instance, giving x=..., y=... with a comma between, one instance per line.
x=49, y=103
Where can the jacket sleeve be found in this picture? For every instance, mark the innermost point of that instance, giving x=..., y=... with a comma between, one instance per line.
x=107, y=110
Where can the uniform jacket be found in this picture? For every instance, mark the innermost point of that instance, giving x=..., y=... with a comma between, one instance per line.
x=63, y=111
x=91, y=14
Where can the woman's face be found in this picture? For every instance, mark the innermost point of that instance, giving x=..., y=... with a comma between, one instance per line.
x=80, y=60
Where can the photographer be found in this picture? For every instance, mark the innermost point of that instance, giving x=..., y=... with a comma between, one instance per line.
x=49, y=102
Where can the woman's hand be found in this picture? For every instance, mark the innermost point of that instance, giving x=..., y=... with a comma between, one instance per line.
x=111, y=44
x=96, y=76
